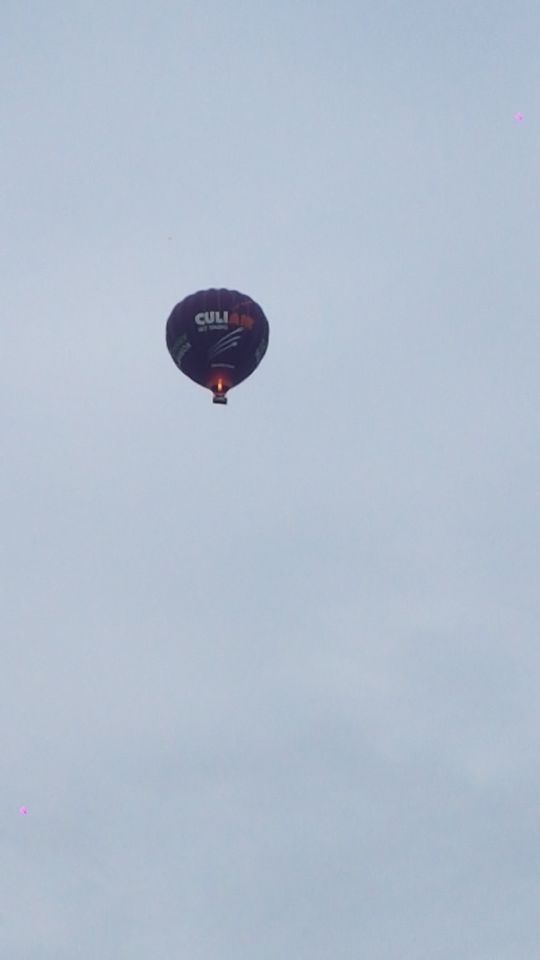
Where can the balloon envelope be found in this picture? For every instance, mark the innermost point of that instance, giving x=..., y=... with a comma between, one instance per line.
x=217, y=338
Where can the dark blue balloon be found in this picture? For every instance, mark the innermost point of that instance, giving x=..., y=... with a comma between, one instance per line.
x=217, y=338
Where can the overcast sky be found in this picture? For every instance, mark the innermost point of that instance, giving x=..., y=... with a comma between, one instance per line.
x=270, y=672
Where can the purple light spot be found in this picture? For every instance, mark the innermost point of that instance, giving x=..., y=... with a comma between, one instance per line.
x=23, y=811
x=519, y=117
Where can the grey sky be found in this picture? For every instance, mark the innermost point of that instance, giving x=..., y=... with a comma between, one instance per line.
x=269, y=684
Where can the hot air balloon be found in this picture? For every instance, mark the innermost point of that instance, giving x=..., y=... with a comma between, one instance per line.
x=217, y=338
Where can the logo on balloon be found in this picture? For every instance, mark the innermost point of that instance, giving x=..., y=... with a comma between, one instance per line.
x=219, y=319
x=261, y=350
x=180, y=348
x=228, y=342
x=212, y=319
x=241, y=320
